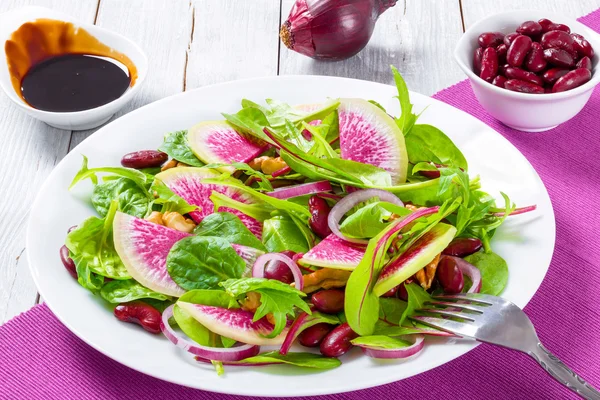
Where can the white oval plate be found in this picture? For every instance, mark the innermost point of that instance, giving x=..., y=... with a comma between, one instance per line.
x=526, y=242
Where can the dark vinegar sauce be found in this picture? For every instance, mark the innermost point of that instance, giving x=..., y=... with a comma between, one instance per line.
x=73, y=82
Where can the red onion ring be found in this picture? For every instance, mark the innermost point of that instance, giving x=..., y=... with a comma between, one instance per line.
x=293, y=333
x=344, y=205
x=301, y=190
x=516, y=211
x=471, y=271
x=258, y=270
x=235, y=353
x=401, y=352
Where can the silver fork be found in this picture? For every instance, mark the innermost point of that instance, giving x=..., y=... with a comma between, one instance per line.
x=491, y=319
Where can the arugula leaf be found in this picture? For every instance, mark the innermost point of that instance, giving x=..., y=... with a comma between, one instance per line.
x=256, y=210
x=201, y=262
x=380, y=342
x=306, y=360
x=281, y=233
x=229, y=227
x=494, y=271
x=276, y=298
x=138, y=177
x=407, y=118
x=250, y=120
x=128, y=290
x=369, y=220
x=176, y=146
x=260, y=178
x=91, y=246
x=361, y=304
x=319, y=147
x=131, y=198
x=417, y=297
x=168, y=200
x=426, y=143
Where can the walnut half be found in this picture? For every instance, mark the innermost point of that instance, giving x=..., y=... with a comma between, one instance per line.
x=325, y=278
x=425, y=276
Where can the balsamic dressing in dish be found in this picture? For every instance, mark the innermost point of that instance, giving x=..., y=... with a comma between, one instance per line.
x=73, y=82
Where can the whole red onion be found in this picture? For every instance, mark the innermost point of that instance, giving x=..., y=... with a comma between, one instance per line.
x=331, y=29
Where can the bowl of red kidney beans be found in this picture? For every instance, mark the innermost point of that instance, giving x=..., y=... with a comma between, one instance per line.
x=530, y=69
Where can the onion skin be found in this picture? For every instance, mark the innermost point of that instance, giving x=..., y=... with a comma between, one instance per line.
x=331, y=29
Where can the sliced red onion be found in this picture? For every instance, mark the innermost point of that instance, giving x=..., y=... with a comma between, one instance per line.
x=471, y=271
x=516, y=211
x=282, y=171
x=343, y=206
x=235, y=353
x=293, y=333
x=401, y=352
x=258, y=270
x=300, y=190
x=331, y=196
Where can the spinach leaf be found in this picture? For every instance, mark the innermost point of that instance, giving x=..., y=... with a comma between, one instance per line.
x=407, y=118
x=229, y=227
x=426, y=143
x=494, y=271
x=192, y=328
x=380, y=342
x=131, y=198
x=361, y=304
x=138, y=177
x=417, y=297
x=281, y=233
x=128, y=290
x=176, y=146
x=371, y=219
x=276, y=298
x=201, y=262
x=168, y=200
x=306, y=360
x=91, y=245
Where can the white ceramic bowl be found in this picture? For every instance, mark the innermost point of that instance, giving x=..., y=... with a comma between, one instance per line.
x=524, y=111
x=79, y=120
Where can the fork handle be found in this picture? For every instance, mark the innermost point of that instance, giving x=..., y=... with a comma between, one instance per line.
x=562, y=373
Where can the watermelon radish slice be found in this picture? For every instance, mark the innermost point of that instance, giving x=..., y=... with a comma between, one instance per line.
x=234, y=323
x=334, y=252
x=249, y=255
x=219, y=142
x=186, y=182
x=414, y=258
x=143, y=247
x=369, y=135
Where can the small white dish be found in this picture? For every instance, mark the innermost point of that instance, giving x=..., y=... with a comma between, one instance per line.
x=524, y=111
x=79, y=120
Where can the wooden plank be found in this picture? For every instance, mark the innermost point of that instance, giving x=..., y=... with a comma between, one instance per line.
x=29, y=152
x=232, y=40
x=418, y=37
x=162, y=28
x=474, y=10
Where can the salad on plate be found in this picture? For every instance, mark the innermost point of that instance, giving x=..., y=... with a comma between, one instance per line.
x=326, y=225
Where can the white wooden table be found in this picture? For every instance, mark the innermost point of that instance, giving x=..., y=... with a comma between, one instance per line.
x=192, y=43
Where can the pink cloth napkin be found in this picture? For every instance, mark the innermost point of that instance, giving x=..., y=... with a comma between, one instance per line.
x=41, y=359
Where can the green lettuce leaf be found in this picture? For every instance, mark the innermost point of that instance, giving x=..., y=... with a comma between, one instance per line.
x=128, y=290
x=281, y=233
x=176, y=146
x=132, y=199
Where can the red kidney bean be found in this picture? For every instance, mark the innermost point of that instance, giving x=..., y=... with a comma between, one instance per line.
x=392, y=292
x=517, y=51
x=314, y=335
x=508, y=39
x=585, y=62
x=546, y=24
x=501, y=51
x=490, y=39
x=337, y=342
x=582, y=46
x=559, y=57
x=517, y=85
x=144, y=159
x=558, y=40
x=68, y=261
x=535, y=61
x=462, y=247
x=502, y=69
x=402, y=292
x=560, y=27
x=430, y=174
x=530, y=28
x=329, y=301
x=139, y=313
x=551, y=75
x=572, y=79
x=319, y=210
x=499, y=81
x=489, y=64
x=449, y=276
x=477, y=60
x=518, y=73
x=280, y=271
